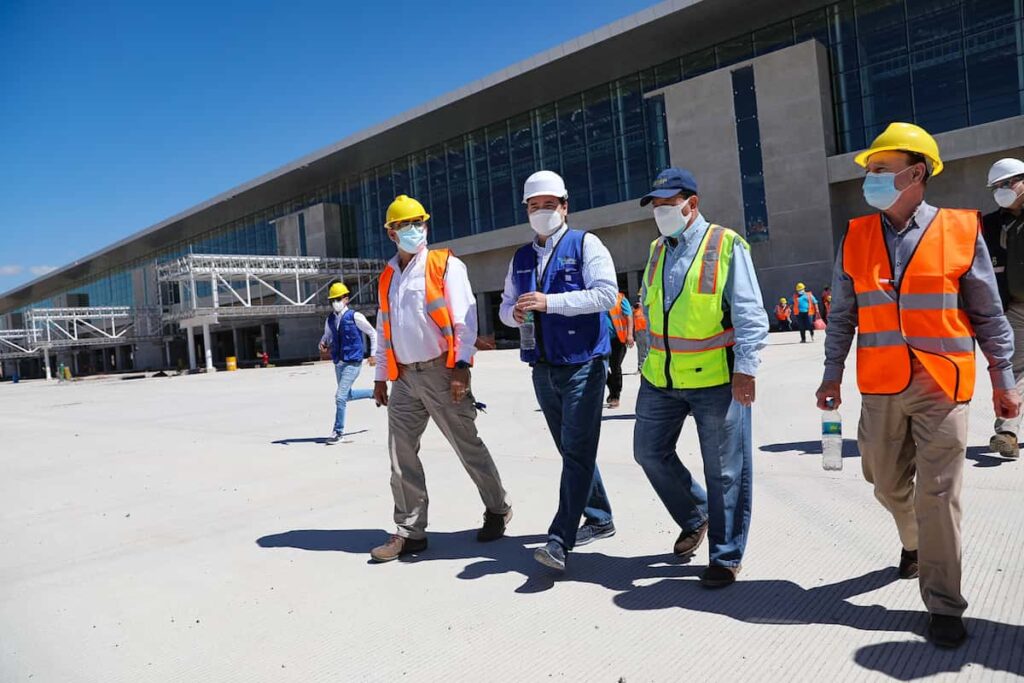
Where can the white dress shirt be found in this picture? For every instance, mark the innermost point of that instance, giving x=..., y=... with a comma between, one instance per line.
x=601, y=291
x=361, y=322
x=414, y=336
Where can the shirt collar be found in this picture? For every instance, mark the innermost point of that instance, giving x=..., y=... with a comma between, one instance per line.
x=922, y=217
x=417, y=257
x=695, y=231
x=553, y=240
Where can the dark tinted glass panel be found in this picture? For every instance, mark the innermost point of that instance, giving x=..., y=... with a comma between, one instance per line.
x=523, y=162
x=458, y=188
x=657, y=135
x=572, y=137
x=735, y=50
x=439, y=209
x=993, y=59
x=601, y=143
x=502, y=201
x=630, y=132
x=697, y=63
x=667, y=73
x=940, y=88
x=773, y=38
x=481, y=182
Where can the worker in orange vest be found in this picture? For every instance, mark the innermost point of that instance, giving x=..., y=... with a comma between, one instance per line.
x=641, y=337
x=783, y=315
x=427, y=330
x=826, y=304
x=916, y=285
x=620, y=321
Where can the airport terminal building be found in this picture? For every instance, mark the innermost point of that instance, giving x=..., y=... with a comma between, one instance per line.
x=765, y=101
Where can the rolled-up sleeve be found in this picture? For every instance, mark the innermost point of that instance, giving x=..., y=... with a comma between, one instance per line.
x=380, y=373
x=601, y=286
x=509, y=296
x=980, y=295
x=749, y=319
x=842, y=322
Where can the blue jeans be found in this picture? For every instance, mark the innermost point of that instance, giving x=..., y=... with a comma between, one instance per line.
x=571, y=397
x=723, y=428
x=346, y=374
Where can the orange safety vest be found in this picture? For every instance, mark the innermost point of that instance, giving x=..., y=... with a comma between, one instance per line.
x=812, y=310
x=782, y=312
x=436, y=307
x=920, y=315
x=639, y=321
x=619, y=320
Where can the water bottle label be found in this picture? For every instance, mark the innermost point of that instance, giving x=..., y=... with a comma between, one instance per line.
x=831, y=428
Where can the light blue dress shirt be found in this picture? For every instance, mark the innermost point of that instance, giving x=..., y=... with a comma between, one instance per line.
x=742, y=294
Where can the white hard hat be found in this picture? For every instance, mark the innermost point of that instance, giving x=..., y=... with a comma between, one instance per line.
x=1003, y=169
x=544, y=183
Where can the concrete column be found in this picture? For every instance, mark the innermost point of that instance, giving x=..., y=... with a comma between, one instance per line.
x=208, y=347
x=167, y=354
x=46, y=360
x=265, y=333
x=190, y=343
x=74, y=363
x=485, y=326
x=235, y=339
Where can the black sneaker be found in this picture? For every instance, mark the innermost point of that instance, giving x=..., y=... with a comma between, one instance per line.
x=946, y=631
x=908, y=564
x=588, y=533
x=494, y=526
x=334, y=438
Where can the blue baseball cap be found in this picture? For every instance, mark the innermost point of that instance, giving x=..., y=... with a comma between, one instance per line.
x=669, y=183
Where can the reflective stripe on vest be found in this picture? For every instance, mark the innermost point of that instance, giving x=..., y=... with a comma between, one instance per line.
x=921, y=315
x=619, y=320
x=689, y=343
x=435, y=306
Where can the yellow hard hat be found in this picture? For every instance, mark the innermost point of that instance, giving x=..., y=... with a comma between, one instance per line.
x=338, y=290
x=783, y=300
x=904, y=137
x=800, y=287
x=404, y=208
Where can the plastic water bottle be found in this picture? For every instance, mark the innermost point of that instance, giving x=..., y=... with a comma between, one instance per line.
x=527, y=333
x=831, y=438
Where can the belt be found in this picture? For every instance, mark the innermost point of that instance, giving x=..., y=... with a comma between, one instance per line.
x=439, y=361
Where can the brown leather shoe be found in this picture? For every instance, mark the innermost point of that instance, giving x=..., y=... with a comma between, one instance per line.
x=717, y=576
x=689, y=541
x=908, y=564
x=396, y=547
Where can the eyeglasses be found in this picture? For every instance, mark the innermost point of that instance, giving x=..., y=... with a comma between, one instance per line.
x=1008, y=183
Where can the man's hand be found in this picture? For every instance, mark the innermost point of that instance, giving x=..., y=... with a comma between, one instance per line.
x=380, y=393
x=517, y=314
x=460, y=384
x=743, y=389
x=533, y=301
x=372, y=360
x=829, y=390
x=323, y=348
x=630, y=341
x=1006, y=402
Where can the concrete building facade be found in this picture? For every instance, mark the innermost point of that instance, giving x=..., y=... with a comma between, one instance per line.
x=765, y=102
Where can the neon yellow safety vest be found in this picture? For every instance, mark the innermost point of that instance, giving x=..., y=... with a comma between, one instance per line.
x=690, y=352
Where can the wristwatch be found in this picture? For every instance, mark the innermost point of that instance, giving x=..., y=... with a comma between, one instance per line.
x=462, y=365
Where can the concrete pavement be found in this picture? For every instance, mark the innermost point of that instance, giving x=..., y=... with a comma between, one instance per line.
x=194, y=529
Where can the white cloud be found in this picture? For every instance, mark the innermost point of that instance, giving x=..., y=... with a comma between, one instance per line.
x=8, y=271
x=41, y=270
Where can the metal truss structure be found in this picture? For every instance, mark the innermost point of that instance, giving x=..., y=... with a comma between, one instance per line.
x=60, y=329
x=263, y=286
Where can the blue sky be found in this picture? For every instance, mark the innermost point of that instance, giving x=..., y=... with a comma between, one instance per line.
x=117, y=114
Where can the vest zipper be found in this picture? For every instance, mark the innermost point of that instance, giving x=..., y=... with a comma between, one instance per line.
x=664, y=321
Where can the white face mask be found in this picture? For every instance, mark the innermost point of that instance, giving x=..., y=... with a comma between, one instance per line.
x=546, y=221
x=412, y=238
x=1005, y=197
x=338, y=305
x=671, y=220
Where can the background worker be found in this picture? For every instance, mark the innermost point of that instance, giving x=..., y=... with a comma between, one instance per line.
x=640, y=335
x=428, y=329
x=783, y=315
x=343, y=337
x=805, y=309
x=566, y=279
x=915, y=283
x=1006, y=245
x=620, y=328
x=826, y=303
x=708, y=326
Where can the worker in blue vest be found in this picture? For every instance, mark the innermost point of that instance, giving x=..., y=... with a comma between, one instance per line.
x=563, y=283
x=343, y=337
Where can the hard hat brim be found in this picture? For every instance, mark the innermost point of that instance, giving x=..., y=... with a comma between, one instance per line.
x=422, y=216
x=528, y=197
x=1000, y=179
x=862, y=158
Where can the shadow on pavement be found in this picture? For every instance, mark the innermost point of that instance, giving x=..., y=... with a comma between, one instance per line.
x=850, y=449
x=984, y=457
x=314, y=439
x=994, y=645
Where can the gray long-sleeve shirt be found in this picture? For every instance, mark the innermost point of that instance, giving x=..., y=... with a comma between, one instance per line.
x=978, y=292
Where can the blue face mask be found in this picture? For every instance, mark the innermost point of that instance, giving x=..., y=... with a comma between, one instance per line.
x=412, y=238
x=880, y=189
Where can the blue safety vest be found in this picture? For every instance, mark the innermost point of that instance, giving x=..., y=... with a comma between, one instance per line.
x=561, y=339
x=348, y=345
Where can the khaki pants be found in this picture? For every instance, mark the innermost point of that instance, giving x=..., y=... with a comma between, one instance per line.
x=1015, y=314
x=920, y=434
x=420, y=393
